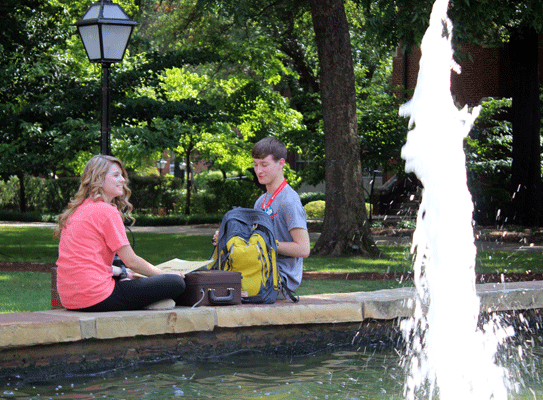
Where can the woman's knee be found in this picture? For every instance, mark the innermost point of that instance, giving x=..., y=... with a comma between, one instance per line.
x=173, y=280
x=180, y=281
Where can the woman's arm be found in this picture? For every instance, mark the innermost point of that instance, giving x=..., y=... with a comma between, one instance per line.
x=138, y=264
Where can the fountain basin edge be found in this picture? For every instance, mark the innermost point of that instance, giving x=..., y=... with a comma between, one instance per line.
x=46, y=344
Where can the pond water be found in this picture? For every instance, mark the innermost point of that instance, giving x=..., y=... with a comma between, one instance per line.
x=349, y=374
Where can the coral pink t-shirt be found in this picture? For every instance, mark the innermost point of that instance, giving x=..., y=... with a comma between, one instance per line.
x=88, y=242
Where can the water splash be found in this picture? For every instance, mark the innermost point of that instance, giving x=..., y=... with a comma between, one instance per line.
x=447, y=354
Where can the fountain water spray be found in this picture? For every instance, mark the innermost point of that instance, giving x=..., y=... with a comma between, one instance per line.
x=446, y=354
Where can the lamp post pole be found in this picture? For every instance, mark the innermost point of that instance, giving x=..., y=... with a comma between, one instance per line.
x=106, y=102
x=105, y=30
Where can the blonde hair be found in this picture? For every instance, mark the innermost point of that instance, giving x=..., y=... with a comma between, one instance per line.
x=92, y=181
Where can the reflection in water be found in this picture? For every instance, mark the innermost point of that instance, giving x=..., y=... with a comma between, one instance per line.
x=363, y=374
x=345, y=374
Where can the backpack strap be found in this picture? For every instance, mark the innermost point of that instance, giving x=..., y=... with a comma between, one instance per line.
x=291, y=295
x=215, y=257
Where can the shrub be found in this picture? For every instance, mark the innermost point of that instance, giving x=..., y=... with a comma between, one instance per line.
x=42, y=195
x=315, y=209
x=223, y=194
x=29, y=216
x=176, y=219
x=489, y=159
x=311, y=196
x=154, y=192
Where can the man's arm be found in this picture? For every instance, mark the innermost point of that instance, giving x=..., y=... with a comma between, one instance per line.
x=299, y=247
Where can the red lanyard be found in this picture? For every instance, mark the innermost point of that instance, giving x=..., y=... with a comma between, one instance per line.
x=274, y=195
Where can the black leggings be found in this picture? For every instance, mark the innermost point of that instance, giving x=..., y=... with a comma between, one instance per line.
x=135, y=294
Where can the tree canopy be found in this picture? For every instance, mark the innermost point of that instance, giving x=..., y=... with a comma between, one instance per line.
x=515, y=24
x=205, y=79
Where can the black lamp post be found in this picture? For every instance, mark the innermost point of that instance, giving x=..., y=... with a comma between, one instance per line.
x=161, y=164
x=105, y=30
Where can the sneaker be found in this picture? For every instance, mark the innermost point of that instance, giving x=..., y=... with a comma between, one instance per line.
x=166, y=304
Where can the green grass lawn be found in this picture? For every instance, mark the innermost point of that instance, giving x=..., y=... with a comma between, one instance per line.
x=24, y=291
x=30, y=291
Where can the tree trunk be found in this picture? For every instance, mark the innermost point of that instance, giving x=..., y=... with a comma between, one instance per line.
x=22, y=192
x=526, y=118
x=346, y=230
x=188, y=171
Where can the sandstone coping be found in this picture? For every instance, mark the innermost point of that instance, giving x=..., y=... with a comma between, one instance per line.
x=62, y=326
x=57, y=326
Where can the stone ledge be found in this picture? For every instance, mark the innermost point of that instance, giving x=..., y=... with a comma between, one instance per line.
x=62, y=326
x=310, y=309
x=511, y=296
x=24, y=329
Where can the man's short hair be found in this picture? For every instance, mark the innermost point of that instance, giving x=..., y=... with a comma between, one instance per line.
x=269, y=146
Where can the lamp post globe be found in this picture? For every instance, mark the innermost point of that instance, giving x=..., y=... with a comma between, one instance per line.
x=105, y=30
x=161, y=164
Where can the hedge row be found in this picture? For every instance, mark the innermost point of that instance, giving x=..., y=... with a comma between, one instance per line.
x=156, y=200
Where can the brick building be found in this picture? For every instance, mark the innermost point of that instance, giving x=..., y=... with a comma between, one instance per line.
x=486, y=74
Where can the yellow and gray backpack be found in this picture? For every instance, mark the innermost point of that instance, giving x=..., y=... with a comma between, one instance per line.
x=247, y=244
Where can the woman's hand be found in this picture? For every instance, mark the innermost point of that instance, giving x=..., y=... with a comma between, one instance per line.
x=130, y=274
x=136, y=263
x=118, y=271
x=168, y=270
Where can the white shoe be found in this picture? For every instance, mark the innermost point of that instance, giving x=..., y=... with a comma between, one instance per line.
x=166, y=304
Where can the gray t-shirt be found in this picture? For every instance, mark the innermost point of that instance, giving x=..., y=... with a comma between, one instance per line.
x=288, y=213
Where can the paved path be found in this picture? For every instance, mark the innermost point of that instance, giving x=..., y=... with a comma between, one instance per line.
x=209, y=230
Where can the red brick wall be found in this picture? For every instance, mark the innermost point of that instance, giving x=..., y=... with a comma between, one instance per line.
x=486, y=74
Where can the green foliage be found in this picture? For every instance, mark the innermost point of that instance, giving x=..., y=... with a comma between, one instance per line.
x=315, y=209
x=406, y=224
x=225, y=194
x=381, y=129
x=153, y=192
x=176, y=219
x=489, y=156
x=41, y=89
x=156, y=200
x=43, y=195
x=311, y=196
x=27, y=216
x=484, y=21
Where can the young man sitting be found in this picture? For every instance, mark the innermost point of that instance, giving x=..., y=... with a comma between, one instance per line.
x=283, y=204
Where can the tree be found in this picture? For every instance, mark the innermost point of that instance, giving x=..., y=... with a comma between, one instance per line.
x=38, y=91
x=346, y=229
x=274, y=40
x=487, y=22
x=526, y=118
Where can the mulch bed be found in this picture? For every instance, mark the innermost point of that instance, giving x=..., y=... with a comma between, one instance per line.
x=26, y=266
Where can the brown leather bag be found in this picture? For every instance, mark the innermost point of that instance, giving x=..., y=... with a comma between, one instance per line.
x=211, y=288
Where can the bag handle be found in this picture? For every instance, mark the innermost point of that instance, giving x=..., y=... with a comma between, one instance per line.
x=213, y=299
x=221, y=299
